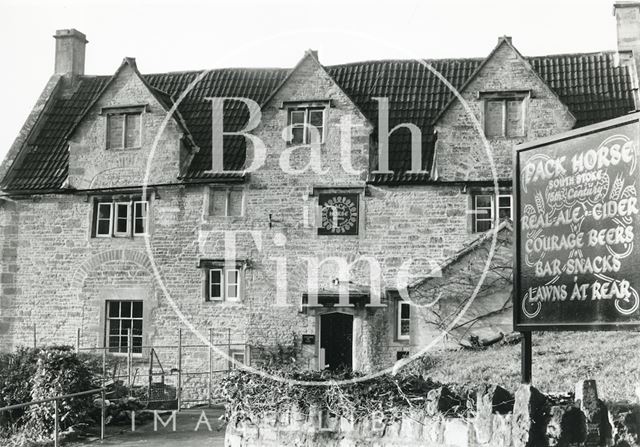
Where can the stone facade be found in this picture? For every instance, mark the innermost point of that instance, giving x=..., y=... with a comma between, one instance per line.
x=462, y=152
x=57, y=276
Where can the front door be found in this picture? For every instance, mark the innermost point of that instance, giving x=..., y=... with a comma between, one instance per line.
x=336, y=339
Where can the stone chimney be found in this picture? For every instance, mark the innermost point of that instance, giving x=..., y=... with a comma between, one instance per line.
x=70, y=46
x=627, y=15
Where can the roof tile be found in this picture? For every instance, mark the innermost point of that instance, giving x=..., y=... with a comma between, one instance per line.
x=590, y=85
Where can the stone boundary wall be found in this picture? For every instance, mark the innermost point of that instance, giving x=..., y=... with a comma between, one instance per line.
x=500, y=419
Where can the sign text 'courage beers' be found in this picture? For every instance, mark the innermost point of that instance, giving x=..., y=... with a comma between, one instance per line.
x=577, y=220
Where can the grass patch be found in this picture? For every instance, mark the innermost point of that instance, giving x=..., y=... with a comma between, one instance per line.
x=560, y=359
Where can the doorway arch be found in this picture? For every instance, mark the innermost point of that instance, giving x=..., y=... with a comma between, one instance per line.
x=336, y=341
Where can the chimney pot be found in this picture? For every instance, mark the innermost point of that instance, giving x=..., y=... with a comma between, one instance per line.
x=313, y=53
x=70, y=50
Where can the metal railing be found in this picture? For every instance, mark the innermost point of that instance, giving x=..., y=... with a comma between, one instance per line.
x=148, y=355
x=56, y=422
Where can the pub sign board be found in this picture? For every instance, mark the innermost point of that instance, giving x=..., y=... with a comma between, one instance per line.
x=577, y=266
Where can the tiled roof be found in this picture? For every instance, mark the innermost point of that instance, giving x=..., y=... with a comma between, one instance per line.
x=589, y=84
x=415, y=95
x=43, y=161
x=255, y=84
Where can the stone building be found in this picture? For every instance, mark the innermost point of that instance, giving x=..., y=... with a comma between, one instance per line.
x=116, y=219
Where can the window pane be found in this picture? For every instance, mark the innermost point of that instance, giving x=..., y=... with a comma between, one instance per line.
x=315, y=134
x=216, y=276
x=483, y=201
x=114, y=327
x=232, y=276
x=316, y=118
x=140, y=217
x=235, y=203
x=116, y=128
x=104, y=211
x=493, y=118
x=114, y=343
x=404, y=327
x=125, y=310
x=484, y=225
x=215, y=283
x=483, y=212
x=121, y=324
x=141, y=209
x=123, y=210
x=122, y=220
x=405, y=310
x=137, y=309
x=514, y=118
x=217, y=202
x=297, y=117
x=103, y=227
x=297, y=135
x=504, y=207
x=233, y=284
x=132, y=137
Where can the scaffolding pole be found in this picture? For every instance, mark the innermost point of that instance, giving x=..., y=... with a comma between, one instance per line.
x=129, y=358
x=210, y=384
x=103, y=395
x=179, y=390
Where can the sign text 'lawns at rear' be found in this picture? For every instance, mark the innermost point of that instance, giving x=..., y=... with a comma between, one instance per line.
x=578, y=216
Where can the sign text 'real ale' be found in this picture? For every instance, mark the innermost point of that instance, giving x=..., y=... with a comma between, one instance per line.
x=577, y=221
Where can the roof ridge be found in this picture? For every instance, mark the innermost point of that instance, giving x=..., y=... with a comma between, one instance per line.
x=587, y=53
x=370, y=61
x=366, y=61
x=185, y=72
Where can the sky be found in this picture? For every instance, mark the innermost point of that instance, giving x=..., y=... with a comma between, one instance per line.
x=181, y=35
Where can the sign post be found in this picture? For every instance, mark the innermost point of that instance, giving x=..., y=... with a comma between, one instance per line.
x=576, y=265
x=525, y=358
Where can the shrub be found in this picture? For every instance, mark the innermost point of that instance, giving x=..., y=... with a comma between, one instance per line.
x=251, y=395
x=59, y=371
x=15, y=368
x=278, y=354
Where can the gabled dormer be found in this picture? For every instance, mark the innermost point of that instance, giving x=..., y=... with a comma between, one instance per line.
x=127, y=136
x=309, y=112
x=506, y=102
